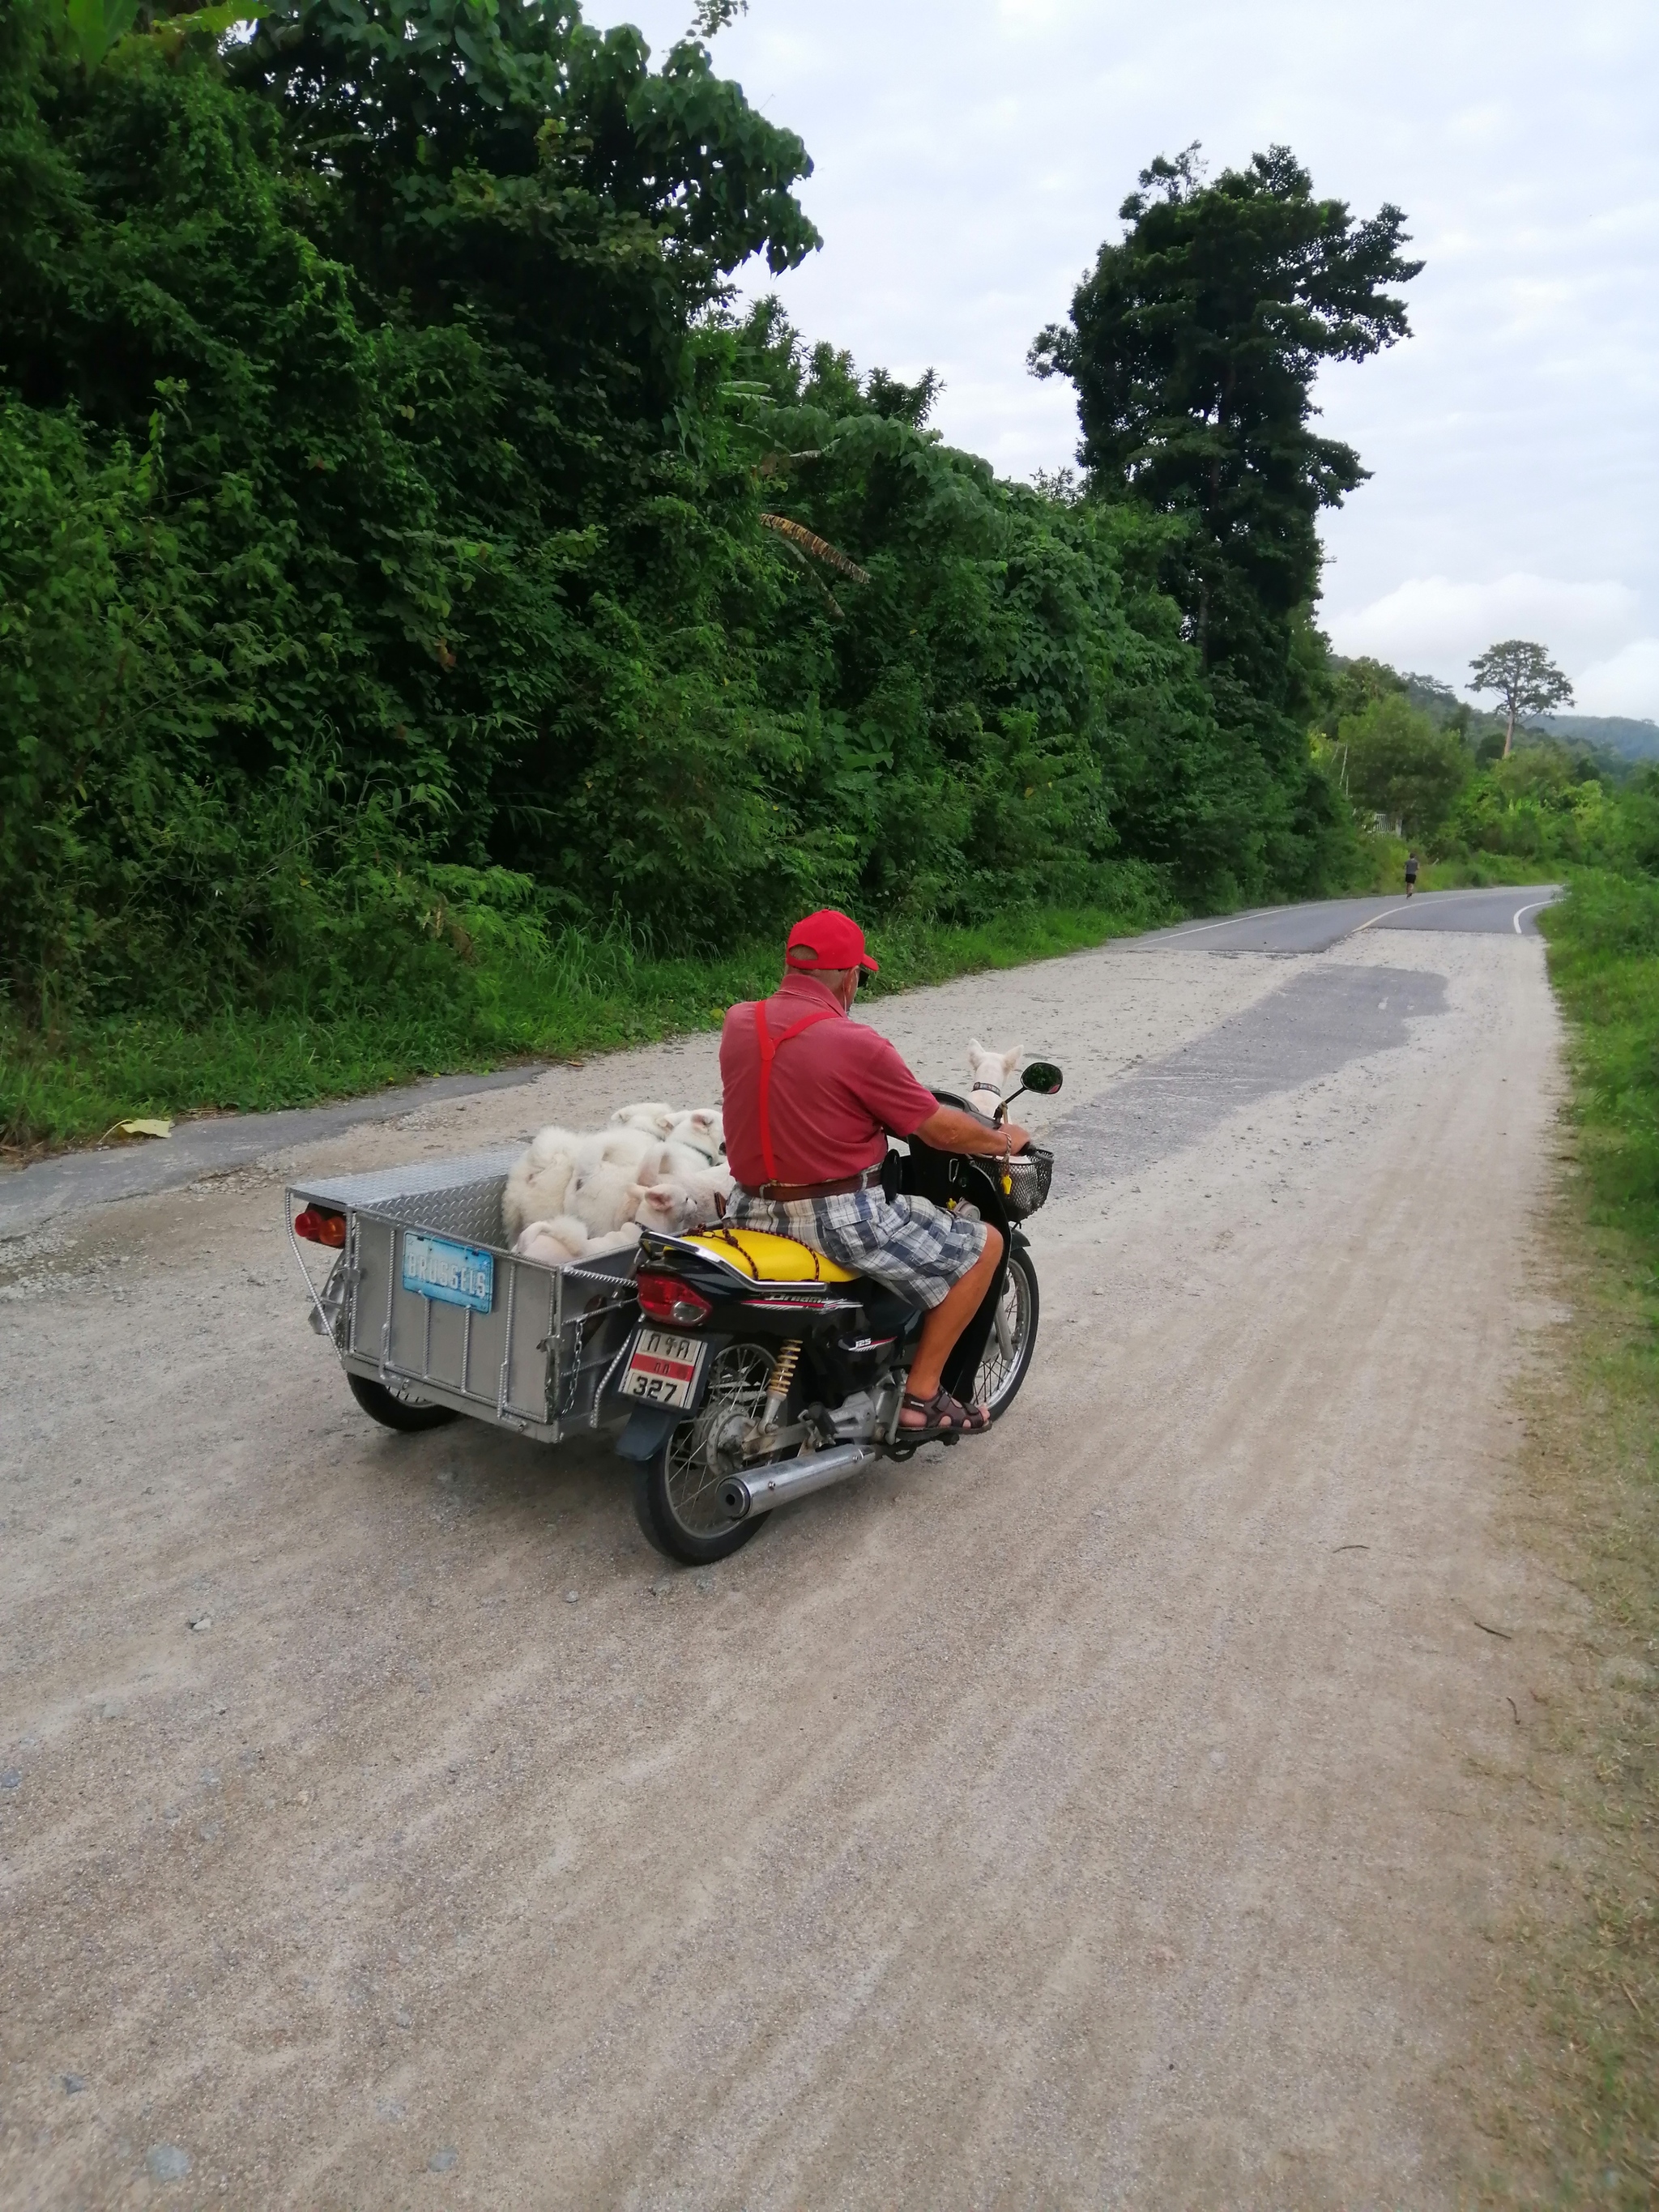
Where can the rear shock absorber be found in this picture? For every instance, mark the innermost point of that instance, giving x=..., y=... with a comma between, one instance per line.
x=783, y=1376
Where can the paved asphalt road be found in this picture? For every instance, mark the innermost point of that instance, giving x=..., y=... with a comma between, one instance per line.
x=219, y=1143
x=1315, y=927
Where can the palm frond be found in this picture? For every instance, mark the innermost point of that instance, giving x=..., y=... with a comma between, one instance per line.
x=798, y=535
x=822, y=588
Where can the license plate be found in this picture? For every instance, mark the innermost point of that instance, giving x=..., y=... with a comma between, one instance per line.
x=456, y=1274
x=663, y=1370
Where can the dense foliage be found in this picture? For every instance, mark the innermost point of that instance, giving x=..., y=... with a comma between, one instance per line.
x=391, y=571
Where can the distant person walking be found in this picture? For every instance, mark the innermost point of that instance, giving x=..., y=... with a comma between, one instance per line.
x=1411, y=873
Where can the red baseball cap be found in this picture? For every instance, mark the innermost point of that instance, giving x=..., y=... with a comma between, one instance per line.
x=827, y=939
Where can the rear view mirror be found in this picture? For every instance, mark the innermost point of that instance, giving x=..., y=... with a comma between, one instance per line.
x=1043, y=1076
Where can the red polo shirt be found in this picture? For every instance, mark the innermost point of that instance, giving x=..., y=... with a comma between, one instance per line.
x=839, y=1091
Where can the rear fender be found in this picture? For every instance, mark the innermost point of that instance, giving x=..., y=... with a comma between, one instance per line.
x=647, y=1431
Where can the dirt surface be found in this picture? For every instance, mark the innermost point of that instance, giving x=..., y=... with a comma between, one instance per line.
x=1114, y=1812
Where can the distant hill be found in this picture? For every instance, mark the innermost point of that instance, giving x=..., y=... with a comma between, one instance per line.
x=1611, y=733
x=1611, y=743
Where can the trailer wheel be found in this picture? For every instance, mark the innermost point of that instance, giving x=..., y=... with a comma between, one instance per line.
x=407, y=1415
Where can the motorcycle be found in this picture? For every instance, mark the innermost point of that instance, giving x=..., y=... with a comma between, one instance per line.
x=762, y=1371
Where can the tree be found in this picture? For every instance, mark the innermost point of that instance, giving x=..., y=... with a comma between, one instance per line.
x=1524, y=677
x=1401, y=767
x=1194, y=346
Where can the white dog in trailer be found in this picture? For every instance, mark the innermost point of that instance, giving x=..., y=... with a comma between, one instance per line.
x=990, y=1071
x=606, y=1169
x=702, y=1130
x=560, y=1242
x=654, y=1115
x=567, y=1179
x=541, y=1185
x=552, y=1243
x=541, y=1175
x=676, y=1204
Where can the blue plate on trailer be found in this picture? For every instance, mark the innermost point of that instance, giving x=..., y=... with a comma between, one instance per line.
x=456, y=1274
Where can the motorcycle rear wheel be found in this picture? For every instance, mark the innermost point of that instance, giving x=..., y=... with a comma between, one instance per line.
x=1008, y=1350
x=676, y=1491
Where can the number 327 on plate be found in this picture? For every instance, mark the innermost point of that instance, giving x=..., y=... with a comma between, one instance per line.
x=662, y=1369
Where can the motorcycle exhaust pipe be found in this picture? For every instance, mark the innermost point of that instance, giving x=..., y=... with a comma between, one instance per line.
x=765, y=1487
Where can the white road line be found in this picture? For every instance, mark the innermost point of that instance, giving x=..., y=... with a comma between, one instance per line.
x=1266, y=913
x=1533, y=908
x=1198, y=928
x=1259, y=913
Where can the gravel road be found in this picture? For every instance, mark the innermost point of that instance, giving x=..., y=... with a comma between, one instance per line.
x=1115, y=1812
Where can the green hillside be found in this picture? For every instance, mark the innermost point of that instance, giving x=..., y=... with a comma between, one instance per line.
x=1612, y=733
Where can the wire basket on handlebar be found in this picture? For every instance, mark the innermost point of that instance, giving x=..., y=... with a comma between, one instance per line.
x=1030, y=1174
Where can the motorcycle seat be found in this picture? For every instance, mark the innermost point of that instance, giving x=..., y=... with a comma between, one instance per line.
x=765, y=1258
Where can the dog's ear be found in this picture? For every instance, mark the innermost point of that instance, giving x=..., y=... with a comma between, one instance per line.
x=703, y=1118
x=1011, y=1060
x=975, y=1051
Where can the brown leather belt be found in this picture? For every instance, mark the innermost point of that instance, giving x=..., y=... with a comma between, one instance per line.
x=786, y=1193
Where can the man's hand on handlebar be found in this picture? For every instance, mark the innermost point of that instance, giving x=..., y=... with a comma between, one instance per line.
x=950, y=1129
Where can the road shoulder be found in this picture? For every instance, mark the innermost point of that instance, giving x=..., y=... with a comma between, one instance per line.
x=1572, y=2082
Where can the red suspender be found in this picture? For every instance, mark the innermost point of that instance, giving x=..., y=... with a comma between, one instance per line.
x=769, y=1047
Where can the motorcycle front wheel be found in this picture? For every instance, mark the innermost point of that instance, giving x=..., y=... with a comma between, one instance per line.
x=1012, y=1339
x=676, y=1494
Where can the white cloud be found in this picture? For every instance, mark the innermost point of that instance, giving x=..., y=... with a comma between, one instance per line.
x=1626, y=684
x=1436, y=626
x=970, y=160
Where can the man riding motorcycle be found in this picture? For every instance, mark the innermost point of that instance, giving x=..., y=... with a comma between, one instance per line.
x=811, y=1097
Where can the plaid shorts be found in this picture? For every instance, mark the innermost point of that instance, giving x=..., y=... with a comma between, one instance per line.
x=914, y=1247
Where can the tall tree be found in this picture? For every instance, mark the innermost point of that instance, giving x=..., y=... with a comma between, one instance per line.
x=1524, y=677
x=1194, y=346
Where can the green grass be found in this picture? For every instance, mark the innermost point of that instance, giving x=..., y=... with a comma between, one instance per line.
x=1589, y=2126
x=587, y=995
x=1604, y=962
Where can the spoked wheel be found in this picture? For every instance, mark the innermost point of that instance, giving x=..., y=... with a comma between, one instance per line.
x=1012, y=1339
x=393, y=1410
x=678, y=1494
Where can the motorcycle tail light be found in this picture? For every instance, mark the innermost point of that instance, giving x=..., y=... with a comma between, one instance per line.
x=666, y=1298
x=321, y=1228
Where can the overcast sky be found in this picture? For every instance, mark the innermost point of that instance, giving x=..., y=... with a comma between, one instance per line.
x=971, y=154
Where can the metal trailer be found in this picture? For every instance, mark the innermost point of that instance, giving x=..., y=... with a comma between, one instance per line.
x=425, y=1301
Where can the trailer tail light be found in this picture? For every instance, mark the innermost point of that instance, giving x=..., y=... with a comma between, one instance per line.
x=666, y=1298
x=321, y=1228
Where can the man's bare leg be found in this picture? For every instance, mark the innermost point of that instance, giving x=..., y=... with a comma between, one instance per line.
x=945, y=1323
